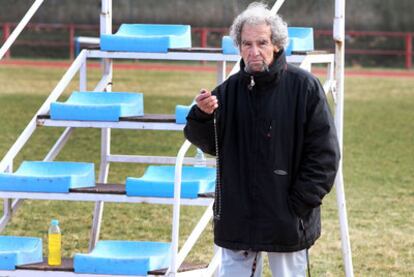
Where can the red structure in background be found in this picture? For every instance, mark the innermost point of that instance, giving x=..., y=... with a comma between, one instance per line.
x=203, y=35
x=407, y=37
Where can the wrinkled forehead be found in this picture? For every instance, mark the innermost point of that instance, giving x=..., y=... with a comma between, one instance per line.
x=260, y=31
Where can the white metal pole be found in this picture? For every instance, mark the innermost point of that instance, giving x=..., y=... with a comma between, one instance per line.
x=19, y=27
x=195, y=234
x=31, y=127
x=176, y=209
x=83, y=77
x=339, y=37
x=278, y=4
x=105, y=28
x=59, y=144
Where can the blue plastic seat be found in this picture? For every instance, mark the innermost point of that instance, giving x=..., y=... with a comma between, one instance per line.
x=19, y=251
x=98, y=106
x=158, y=181
x=147, y=38
x=124, y=257
x=181, y=112
x=37, y=176
x=228, y=46
x=300, y=39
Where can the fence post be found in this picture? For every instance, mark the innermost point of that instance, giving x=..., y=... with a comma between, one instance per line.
x=6, y=34
x=408, y=50
x=71, y=41
x=203, y=37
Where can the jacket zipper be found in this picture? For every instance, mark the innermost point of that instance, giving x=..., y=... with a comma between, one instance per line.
x=252, y=83
x=252, y=186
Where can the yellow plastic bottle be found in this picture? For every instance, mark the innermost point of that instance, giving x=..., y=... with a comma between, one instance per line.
x=54, y=244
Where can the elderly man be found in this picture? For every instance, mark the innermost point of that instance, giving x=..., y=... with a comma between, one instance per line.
x=277, y=152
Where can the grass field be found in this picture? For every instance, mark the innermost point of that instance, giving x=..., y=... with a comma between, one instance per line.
x=378, y=168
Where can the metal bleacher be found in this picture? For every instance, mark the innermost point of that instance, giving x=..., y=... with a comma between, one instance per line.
x=171, y=260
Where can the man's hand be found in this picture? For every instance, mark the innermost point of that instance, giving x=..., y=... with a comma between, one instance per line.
x=206, y=102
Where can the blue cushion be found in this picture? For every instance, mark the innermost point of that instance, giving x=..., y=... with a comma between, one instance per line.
x=37, y=176
x=181, y=112
x=300, y=39
x=19, y=251
x=124, y=257
x=147, y=38
x=158, y=181
x=228, y=46
x=98, y=106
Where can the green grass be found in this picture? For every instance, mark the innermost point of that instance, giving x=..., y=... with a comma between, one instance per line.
x=378, y=166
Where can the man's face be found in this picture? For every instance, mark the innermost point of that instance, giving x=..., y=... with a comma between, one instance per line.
x=256, y=47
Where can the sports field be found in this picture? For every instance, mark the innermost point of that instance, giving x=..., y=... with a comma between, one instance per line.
x=378, y=166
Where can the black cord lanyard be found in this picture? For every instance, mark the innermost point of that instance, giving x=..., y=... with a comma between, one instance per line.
x=217, y=195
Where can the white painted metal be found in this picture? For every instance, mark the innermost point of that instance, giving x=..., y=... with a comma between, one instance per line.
x=330, y=83
x=60, y=143
x=83, y=77
x=105, y=28
x=107, y=71
x=195, y=234
x=176, y=207
x=6, y=217
x=183, y=56
x=96, y=225
x=311, y=59
x=107, y=197
x=221, y=72
x=192, y=273
x=103, y=83
x=306, y=65
x=103, y=178
x=155, y=159
x=54, y=273
x=19, y=28
x=30, y=128
x=7, y=203
x=277, y=6
x=7, y=208
x=88, y=40
x=328, y=86
x=113, y=125
x=106, y=17
x=339, y=36
x=214, y=263
x=105, y=152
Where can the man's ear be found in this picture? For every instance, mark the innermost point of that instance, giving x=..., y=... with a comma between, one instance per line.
x=276, y=49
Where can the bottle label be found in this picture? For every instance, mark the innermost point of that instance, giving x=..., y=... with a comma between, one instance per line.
x=54, y=247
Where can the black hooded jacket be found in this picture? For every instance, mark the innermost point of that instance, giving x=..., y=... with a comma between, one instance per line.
x=278, y=157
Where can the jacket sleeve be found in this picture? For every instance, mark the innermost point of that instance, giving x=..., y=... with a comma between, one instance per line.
x=199, y=130
x=320, y=154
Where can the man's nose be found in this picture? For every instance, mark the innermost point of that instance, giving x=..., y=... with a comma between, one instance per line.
x=254, y=50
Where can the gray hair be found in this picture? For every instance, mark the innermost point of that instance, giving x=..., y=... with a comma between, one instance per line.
x=258, y=13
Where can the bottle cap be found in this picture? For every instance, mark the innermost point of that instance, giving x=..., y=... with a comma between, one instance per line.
x=54, y=222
